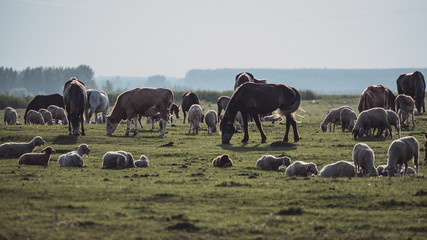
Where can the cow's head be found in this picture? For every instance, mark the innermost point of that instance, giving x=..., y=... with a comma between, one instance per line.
x=111, y=125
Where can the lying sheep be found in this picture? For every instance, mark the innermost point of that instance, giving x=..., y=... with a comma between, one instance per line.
x=405, y=105
x=15, y=150
x=272, y=118
x=118, y=159
x=211, y=119
x=10, y=116
x=222, y=161
x=400, y=152
x=195, y=116
x=338, y=169
x=47, y=116
x=381, y=171
x=301, y=169
x=34, y=117
x=58, y=113
x=347, y=119
x=369, y=119
x=363, y=158
x=142, y=161
x=37, y=158
x=74, y=158
x=270, y=162
x=333, y=117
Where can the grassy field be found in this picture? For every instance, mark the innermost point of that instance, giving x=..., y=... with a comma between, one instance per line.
x=181, y=196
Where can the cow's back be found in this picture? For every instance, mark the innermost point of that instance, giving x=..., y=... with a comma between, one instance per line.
x=140, y=100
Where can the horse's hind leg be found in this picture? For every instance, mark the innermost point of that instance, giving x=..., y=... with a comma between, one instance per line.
x=83, y=129
x=258, y=124
x=246, y=127
x=291, y=121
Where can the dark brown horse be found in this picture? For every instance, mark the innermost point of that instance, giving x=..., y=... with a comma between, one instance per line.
x=376, y=96
x=256, y=98
x=414, y=85
x=188, y=99
x=44, y=101
x=244, y=77
x=75, y=99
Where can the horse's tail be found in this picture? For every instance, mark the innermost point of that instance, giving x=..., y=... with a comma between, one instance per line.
x=294, y=107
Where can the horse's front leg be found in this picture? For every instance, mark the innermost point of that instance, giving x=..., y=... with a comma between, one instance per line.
x=258, y=124
x=246, y=127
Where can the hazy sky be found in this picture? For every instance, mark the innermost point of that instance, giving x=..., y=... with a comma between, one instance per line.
x=170, y=37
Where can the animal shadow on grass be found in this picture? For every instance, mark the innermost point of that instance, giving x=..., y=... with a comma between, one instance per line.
x=244, y=147
x=283, y=144
x=65, y=139
x=373, y=139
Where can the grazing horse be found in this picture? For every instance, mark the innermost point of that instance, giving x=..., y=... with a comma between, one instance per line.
x=376, y=96
x=222, y=104
x=44, y=101
x=97, y=101
x=75, y=99
x=256, y=98
x=414, y=85
x=188, y=99
x=244, y=77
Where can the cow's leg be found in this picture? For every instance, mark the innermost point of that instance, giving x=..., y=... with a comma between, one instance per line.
x=90, y=115
x=258, y=124
x=184, y=115
x=164, y=123
x=69, y=124
x=127, y=127
x=135, y=129
x=245, y=127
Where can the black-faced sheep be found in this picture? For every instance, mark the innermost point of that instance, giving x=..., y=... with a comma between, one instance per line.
x=338, y=169
x=400, y=152
x=363, y=158
x=37, y=158
x=404, y=106
x=34, y=117
x=195, y=116
x=142, y=161
x=301, y=169
x=58, y=113
x=369, y=119
x=74, y=158
x=47, y=116
x=15, y=150
x=222, y=161
x=347, y=118
x=211, y=119
x=10, y=116
x=333, y=117
x=118, y=159
x=270, y=162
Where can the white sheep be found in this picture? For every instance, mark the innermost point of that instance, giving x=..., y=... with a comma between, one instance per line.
x=369, y=119
x=58, y=113
x=405, y=105
x=37, y=158
x=381, y=171
x=393, y=120
x=142, y=161
x=195, y=116
x=239, y=119
x=15, y=150
x=34, y=117
x=211, y=119
x=222, y=161
x=10, y=116
x=47, y=116
x=118, y=159
x=338, y=169
x=364, y=158
x=301, y=169
x=400, y=152
x=347, y=119
x=74, y=158
x=333, y=117
x=270, y=162
x=272, y=118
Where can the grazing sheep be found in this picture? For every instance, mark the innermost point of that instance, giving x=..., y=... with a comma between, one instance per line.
x=272, y=118
x=74, y=158
x=222, y=161
x=34, y=117
x=347, y=119
x=142, y=161
x=363, y=158
x=118, y=159
x=195, y=116
x=301, y=169
x=239, y=119
x=15, y=150
x=37, y=158
x=270, y=162
x=369, y=119
x=10, y=116
x=381, y=171
x=47, y=116
x=333, y=117
x=211, y=119
x=58, y=113
x=393, y=120
x=406, y=105
x=338, y=169
x=400, y=152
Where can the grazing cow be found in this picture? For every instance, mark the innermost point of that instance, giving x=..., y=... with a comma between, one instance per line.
x=244, y=77
x=222, y=104
x=414, y=85
x=376, y=96
x=404, y=106
x=140, y=101
x=97, y=101
x=75, y=99
x=44, y=101
x=256, y=98
x=188, y=99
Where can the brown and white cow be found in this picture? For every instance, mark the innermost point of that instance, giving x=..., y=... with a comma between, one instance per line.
x=376, y=96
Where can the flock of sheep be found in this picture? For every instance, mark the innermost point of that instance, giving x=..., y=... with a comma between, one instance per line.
x=43, y=116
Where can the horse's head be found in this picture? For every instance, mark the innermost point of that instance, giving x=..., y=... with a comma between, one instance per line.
x=111, y=125
x=227, y=130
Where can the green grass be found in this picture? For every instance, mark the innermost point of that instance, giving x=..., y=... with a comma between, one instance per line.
x=181, y=196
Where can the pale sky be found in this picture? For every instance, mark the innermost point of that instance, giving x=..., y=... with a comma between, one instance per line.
x=170, y=37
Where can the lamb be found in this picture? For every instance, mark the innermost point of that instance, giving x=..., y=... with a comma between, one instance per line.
x=195, y=116
x=118, y=159
x=47, y=116
x=74, y=158
x=371, y=118
x=400, y=152
x=363, y=158
x=272, y=118
x=222, y=161
x=34, y=117
x=393, y=120
x=211, y=119
x=406, y=105
x=15, y=150
x=58, y=113
x=270, y=162
x=37, y=158
x=10, y=116
x=347, y=119
x=333, y=117
x=301, y=169
x=381, y=171
x=142, y=161
x=338, y=169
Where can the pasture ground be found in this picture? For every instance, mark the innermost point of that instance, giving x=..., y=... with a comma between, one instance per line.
x=181, y=196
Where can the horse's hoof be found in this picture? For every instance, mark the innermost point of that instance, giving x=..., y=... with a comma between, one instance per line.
x=263, y=141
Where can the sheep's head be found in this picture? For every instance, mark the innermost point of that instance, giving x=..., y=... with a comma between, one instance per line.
x=38, y=141
x=286, y=161
x=392, y=171
x=227, y=130
x=111, y=125
x=324, y=127
x=83, y=149
x=311, y=169
x=49, y=150
x=225, y=161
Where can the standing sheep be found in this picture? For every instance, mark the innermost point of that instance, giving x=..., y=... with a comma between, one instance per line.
x=369, y=119
x=338, y=169
x=37, y=158
x=142, y=161
x=404, y=106
x=195, y=116
x=74, y=158
x=363, y=158
x=211, y=119
x=10, y=116
x=400, y=152
x=47, y=116
x=333, y=117
x=393, y=120
x=34, y=117
x=347, y=119
x=118, y=159
x=15, y=150
x=301, y=169
x=270, y=162
x=58, y=113
x=222, y=161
